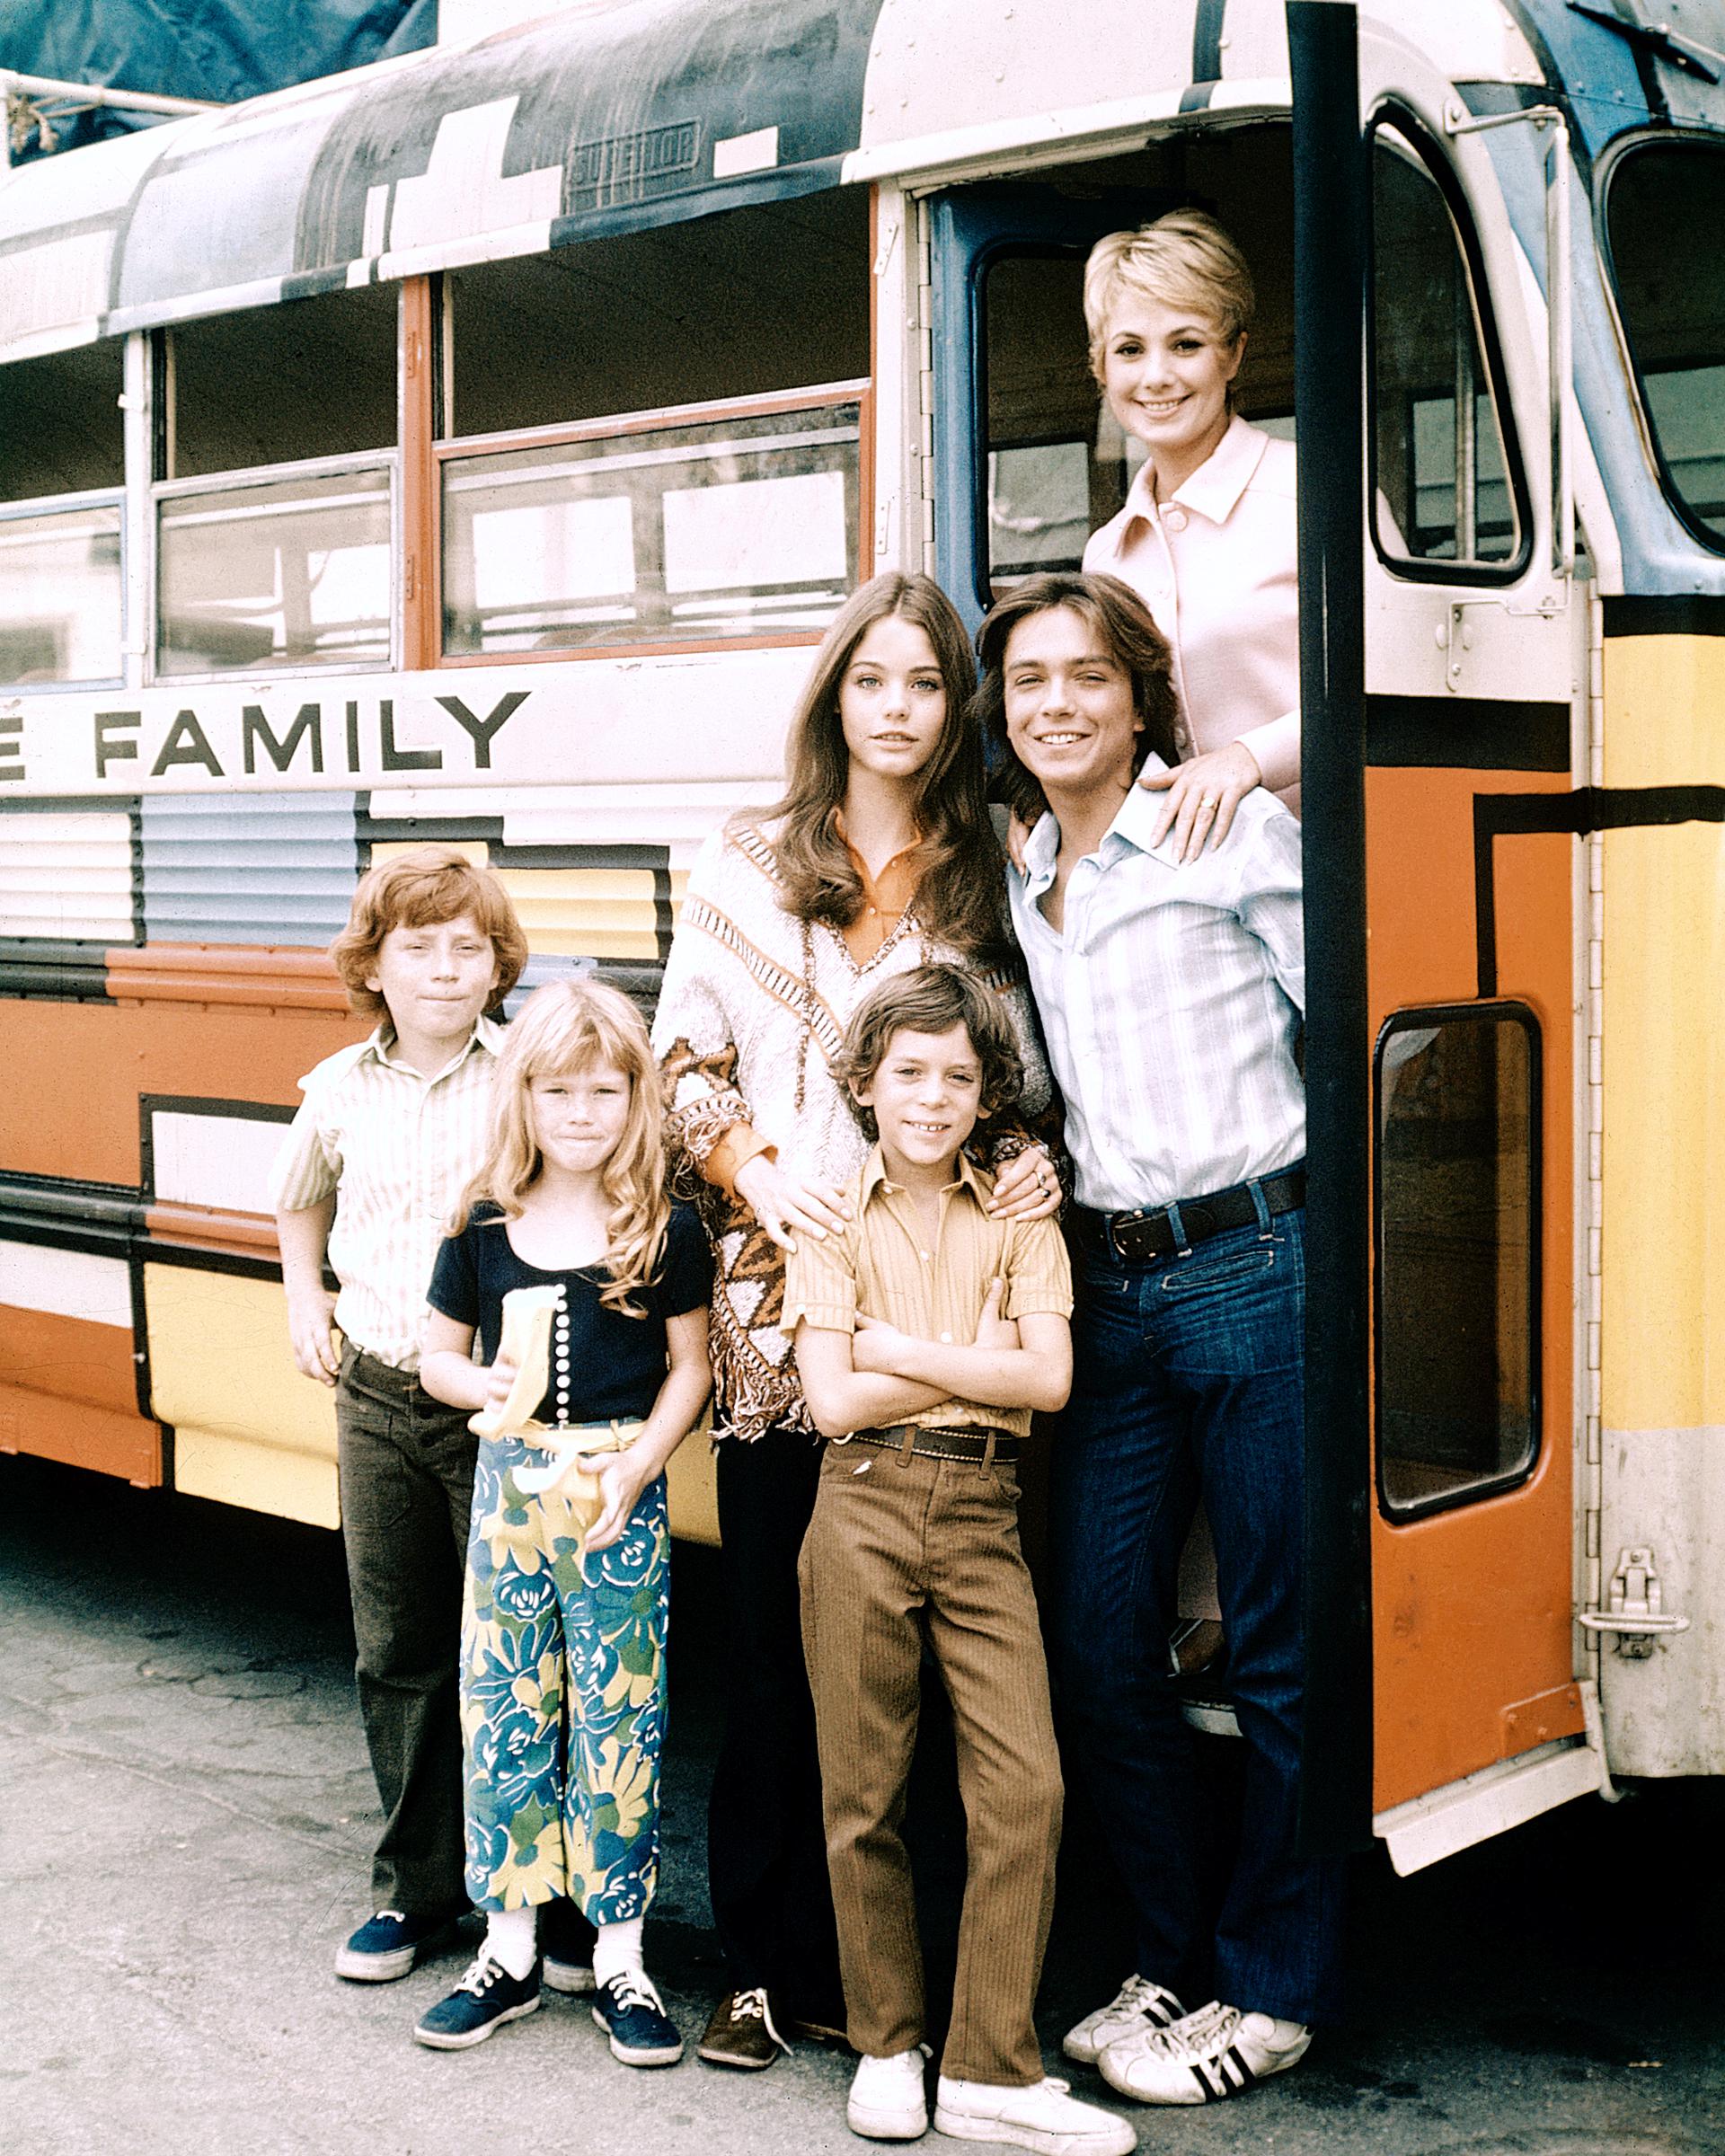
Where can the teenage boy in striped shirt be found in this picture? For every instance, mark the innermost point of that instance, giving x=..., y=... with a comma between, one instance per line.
x=388, y=1136
x=1170, y=994
x=926, y=1330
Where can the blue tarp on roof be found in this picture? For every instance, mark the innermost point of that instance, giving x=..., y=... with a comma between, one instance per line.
x=224, y=52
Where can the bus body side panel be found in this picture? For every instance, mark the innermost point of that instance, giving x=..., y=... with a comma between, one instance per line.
x=1472, y=1654
x=175, y=1102
x=69, y=1381
x=1662, y=1355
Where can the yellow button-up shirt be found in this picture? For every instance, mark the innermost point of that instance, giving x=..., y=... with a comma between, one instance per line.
x=883, y=1264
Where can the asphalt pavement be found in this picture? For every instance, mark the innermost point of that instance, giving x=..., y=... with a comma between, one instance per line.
x=186, y=1814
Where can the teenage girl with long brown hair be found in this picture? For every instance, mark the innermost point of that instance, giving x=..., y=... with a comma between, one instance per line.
x=880, y=857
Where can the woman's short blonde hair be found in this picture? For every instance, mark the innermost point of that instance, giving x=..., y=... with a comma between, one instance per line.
x=1184, y=260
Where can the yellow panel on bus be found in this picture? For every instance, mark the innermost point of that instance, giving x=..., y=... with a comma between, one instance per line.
x=1663, y=1346
x=586, y=913
x=248, y=1429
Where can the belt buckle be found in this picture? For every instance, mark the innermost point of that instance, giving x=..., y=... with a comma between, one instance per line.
x=1133, y=1238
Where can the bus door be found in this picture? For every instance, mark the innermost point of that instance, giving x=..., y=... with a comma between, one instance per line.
x=1026, y=469
x=1028, y=461
x=1475, y=718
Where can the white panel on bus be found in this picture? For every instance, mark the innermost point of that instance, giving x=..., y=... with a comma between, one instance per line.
x=220, y=1161
x=66, y=1283
x=67, y=876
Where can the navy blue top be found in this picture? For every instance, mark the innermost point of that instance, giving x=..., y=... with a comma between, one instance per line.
x=603, y=1364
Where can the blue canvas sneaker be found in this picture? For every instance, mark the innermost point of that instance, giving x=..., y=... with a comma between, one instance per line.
x=387, y=1945
x=486, y=1998
x=633, y=2015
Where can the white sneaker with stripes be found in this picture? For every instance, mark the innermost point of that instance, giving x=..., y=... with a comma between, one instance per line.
x=1139, y=2005
x=1216, y=2051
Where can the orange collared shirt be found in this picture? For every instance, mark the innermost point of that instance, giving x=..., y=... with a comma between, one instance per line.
x=885, y=897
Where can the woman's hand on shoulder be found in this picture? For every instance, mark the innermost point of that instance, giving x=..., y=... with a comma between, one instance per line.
x=1202, y=797
x=787, y=1205
x=1026, y=1187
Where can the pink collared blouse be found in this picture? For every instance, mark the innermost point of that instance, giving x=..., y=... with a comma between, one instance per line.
x=1215, y=563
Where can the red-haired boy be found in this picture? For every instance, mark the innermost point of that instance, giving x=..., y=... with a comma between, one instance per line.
x=388, y=1134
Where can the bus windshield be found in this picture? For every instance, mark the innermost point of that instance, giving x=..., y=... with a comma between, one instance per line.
x=1665, y=211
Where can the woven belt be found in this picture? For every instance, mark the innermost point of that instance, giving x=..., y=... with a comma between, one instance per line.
x=1158, y=1231
x=973, y=1446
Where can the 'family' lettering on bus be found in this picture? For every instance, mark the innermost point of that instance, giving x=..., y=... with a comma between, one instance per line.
x=187, y=745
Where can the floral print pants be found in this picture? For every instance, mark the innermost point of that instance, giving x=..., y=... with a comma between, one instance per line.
x=563, y=1696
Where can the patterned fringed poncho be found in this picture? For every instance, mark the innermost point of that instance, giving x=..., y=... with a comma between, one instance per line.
x=755, y=1003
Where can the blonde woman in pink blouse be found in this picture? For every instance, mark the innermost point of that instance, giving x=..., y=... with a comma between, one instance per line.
x=1206, y=537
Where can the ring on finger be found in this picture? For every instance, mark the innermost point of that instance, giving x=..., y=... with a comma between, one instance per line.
x=1207, y=800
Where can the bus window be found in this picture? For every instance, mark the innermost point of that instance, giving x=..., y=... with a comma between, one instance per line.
x=735, y=527
x=625, y=508
x=1054, y=473
x=738, y=305
x=278, y=385
x=274, y=498
x=1441, y=470
x=1663, y=210
x=62, y=463
x=1457, y=1267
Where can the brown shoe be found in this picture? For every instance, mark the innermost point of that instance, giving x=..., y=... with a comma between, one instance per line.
x=742, y=2032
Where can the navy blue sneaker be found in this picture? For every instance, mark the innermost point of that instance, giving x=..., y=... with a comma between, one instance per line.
x=566, y=1942
x=633, y=2015
x=387, y=1945
x=486, y=1998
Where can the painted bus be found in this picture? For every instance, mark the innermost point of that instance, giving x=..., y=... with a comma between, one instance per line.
x=473, y=448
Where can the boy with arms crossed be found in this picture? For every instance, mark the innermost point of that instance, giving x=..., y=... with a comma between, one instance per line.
x=926, y=1330
x=387, y=1138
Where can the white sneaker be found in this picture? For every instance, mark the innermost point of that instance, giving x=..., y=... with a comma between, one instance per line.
x=1216, y=2051
x=1137, y=2006
x=888, y=2099
x=1042, y=2117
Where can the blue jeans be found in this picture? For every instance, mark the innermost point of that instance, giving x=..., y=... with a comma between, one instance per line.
x=1190, y=1374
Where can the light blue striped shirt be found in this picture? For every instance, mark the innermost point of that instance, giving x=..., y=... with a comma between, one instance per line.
x=1171, y=1000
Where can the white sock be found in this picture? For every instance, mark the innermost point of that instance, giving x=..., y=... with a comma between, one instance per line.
x=617, y=1948
x=509, y=1939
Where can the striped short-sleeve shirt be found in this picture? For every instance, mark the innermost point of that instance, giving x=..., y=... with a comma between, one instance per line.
x=1170, y=999
x=883, y=1264
x=397, y=1149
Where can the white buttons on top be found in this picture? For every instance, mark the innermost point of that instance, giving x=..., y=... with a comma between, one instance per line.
x=1174, y=518
x=560, y=1346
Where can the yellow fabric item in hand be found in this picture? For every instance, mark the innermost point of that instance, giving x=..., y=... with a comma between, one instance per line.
x=526, y=1341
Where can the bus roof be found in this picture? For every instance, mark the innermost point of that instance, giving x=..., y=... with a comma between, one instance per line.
x=605, y=117
x=616, y=114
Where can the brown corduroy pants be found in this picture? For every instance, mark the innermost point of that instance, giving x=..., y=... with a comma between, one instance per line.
x=904, y=1550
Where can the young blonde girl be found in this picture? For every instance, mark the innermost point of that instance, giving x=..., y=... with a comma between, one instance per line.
x=562, y=1697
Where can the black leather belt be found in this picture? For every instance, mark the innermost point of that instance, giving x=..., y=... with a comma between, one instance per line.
x=1144, y=1237
x=969, y=1445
